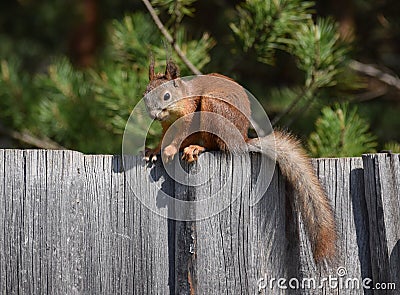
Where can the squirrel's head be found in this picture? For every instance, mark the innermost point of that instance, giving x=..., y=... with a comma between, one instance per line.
x=162, y=91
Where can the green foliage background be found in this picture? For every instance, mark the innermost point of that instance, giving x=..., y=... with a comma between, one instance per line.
x=289, y=53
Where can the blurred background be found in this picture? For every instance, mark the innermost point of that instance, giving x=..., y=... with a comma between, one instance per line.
x=72, y=71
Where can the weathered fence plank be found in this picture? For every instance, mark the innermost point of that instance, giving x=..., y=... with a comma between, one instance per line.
x=4, y=256
x=343, y=181
x=77, y=224
x=382, y=179
x=69, y=225
x=238, y=246
x=261, y=254
x=145, y=235
x=39, y=223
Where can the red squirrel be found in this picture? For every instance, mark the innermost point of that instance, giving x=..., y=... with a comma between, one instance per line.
x=234, y=108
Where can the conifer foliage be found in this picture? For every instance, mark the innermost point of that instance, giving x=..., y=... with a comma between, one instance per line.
x=340, y=132
x=86, y=109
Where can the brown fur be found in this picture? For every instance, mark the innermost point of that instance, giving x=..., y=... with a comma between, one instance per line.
x=292, y=159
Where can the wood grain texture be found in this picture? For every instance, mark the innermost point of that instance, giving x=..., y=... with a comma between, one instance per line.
x=82, y=224
x=70, y=224
x=382, y=179
x=344, y=184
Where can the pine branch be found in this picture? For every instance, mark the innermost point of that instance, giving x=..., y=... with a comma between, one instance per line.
x=169, y=38
x=340, y=132
x=43, y=143
x=301, y=112
x=372, y=71
x=290, y=108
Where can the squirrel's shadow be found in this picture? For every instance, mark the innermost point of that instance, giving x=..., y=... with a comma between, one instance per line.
x=166, y=190
x=164, y=199
x=157, y=172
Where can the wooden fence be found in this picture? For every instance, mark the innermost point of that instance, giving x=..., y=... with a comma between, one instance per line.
x=71, y=224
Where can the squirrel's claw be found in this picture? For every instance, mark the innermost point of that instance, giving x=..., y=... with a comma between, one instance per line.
x=192, y=152
x=152, y=158
x=150, y=155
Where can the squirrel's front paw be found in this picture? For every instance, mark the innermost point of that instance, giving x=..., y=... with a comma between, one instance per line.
x=169, y=153
x=192, y=152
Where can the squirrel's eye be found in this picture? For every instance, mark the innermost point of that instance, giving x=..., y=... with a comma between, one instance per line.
x=167, y=96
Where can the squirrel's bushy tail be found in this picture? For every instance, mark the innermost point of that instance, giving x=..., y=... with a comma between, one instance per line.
x=313, y=203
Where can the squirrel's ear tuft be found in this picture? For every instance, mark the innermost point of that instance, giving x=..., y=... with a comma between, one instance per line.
x=151, y=69
x=172, y=70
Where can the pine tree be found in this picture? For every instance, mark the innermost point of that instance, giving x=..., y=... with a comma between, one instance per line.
x=287, y=25
x=86, y=109
x=340, y=132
